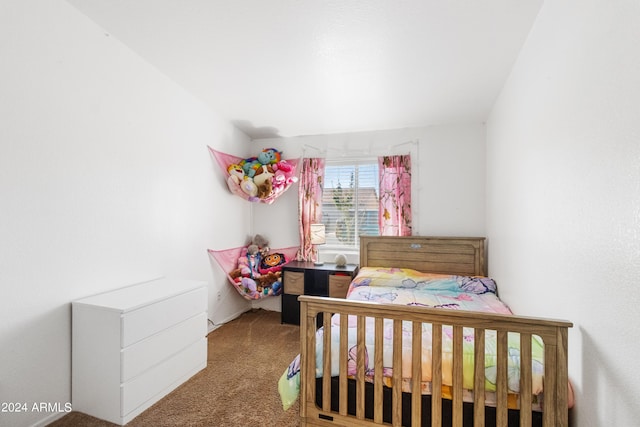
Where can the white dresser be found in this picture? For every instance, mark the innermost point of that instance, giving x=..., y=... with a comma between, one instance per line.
x=132, y=346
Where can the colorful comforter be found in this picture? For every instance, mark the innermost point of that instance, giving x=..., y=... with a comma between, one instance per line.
x=410, y=287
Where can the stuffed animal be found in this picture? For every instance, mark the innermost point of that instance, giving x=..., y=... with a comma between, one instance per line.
x=262, y=177
x=276, y=288
x=235, y=180
x=282, y=177
x=249, y=165
x=281, y=182
x=269, y=156
x=265, y=190
x=243, y=264
x=236, y=173
x=249, y=187
x=236, y=274
x=253, y=249
x=250, y=287
x=272, y=263
x=263, y=173
x=283, y=166
x=262, y=243
x=253, y=257
x=268, y=279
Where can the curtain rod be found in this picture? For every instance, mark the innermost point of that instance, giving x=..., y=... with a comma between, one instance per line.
x=346, y=153
x=305, y=146
x=412, y=142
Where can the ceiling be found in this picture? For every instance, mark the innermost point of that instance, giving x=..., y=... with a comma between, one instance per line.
x=279, y=68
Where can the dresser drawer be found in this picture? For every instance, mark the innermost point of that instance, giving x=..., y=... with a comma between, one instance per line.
x=142, y=391
x=338, y=285
x=147, y=353
x=294, y=282
x=149, y=320
x=133, y=345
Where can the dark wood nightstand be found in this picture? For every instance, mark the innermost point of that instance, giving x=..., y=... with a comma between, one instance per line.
x=307, y=278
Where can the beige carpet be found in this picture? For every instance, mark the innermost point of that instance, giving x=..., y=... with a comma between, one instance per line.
x=239, y=387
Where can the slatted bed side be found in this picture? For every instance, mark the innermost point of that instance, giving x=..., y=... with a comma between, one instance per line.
x=552, y=332
x=446, y=255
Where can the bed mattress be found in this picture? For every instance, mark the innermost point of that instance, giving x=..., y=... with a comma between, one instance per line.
x=447, y=292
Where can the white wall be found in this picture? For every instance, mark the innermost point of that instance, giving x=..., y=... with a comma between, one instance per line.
x=563, y=199
x=105, y=181
x=448, y=172
x=448, y=181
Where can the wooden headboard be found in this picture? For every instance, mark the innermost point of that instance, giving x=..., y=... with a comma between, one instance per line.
x=447, y=255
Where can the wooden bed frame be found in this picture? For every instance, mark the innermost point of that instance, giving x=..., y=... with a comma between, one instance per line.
x=463, y=256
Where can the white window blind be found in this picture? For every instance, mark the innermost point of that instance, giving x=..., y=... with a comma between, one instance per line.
x=350, y=202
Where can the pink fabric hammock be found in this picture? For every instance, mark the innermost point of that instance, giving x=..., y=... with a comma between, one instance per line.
x=227, y=259
x=280, y=177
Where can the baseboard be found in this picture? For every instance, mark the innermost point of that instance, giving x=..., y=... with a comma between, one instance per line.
x=49, y=419
x=213, y=326
x=268, y=303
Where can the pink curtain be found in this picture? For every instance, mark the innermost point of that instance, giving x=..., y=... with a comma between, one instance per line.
x=394, y=218
x=309, y=204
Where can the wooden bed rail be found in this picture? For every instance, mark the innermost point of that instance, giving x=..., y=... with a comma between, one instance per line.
x=554, y=334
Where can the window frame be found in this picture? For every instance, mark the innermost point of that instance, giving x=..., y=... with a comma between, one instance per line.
x=354, y=163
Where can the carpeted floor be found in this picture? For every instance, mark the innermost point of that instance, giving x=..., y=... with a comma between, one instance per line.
x=239, y=387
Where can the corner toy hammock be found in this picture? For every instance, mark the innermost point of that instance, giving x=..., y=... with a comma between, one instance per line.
x=257, y=179
x=254, y=276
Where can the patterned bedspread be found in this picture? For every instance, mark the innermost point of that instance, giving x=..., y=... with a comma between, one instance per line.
x=410, y=287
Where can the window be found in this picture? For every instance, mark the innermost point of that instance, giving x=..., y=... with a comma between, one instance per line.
x=350, y=202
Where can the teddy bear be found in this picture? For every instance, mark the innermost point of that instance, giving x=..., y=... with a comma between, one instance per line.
x=263, y=173
x=266, y=280
x=262, y=243
x=236, y=274
x=265, y=190
x=270, y=283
